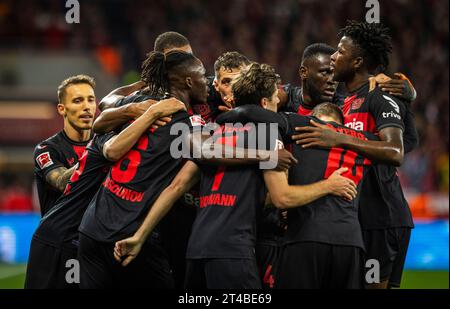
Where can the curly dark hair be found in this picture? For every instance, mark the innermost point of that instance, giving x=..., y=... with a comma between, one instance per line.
x=374, y=42
x=257, y=82
x=157, y=67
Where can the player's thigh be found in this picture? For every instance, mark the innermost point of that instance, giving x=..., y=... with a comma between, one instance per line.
x=195, y=274
x=150, y=269
x=347, y=271
x=403, y=236
x=381, y=247
x=95, y=266
x=41, y=270
x=267, y=256
x=232, y=274
x=302, y=265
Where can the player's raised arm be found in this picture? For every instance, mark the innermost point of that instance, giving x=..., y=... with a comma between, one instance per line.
x=119, y=145
x=388, y=150
x=285, y=196
x=110, y=100
x=130, y=247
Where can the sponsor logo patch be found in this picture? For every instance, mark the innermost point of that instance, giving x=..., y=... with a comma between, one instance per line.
x=392, y=102
x=44, y=160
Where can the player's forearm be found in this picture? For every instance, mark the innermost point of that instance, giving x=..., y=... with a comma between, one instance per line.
x=378, y=151
x=60, y=177
x=114, y=118
x=118, y=146
x=111, y=99
x=219, y=154
x=180, y=185
x=296, y=196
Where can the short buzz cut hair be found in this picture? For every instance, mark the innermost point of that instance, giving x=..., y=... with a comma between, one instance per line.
x=330, y=110
x=170, y=39
x=74, y=80
x=230, y=60
x=255, y=83
x=316, y=49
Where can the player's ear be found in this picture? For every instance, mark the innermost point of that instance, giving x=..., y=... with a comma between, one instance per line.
x=61, y=109
x=358, y=62
x=216, y=84
x=264, y=103
x=303, y=72
x=189, y=82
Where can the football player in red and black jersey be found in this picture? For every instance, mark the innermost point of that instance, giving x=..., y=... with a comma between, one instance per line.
x=221, y=247
x=134, y=183
x=56, y=157
x=384, y=213
x=55, y=241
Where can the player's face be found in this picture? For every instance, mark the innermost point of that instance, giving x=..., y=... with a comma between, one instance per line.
x=319, y=79
x=199, y=89
x=272, y=102
x=341, y=60
x=223, y=83
x=78, y=106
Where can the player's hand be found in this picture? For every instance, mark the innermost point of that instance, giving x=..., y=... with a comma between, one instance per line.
x=376, y=80
x=285, y=160
x=228, y=103
x=168, y=107
x=126, y=250
x=161, y=122
x=317, y=135
x=342, y=186
x=400, y=86
x=141, y=107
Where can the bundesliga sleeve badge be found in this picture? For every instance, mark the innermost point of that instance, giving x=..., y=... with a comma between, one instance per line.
x=44, y=160
x=197, y=121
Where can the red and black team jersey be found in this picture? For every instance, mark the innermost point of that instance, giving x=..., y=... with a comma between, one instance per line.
x=231, y=199
x=60, y=225
x=135, y=182
x=295, y=103
x=330, y=219
x=56, y=151
x=383, y=204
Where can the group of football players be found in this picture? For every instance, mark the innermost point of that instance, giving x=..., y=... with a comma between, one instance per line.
x=329, y=212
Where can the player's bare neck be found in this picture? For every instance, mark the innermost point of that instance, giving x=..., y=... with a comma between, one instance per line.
x=75, y=135
x=181, y=95
x=358, y=80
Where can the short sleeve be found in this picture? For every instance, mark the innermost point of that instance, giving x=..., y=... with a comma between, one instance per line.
x=46, y=159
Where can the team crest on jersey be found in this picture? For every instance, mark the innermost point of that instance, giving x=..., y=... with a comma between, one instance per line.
x=356, y=104
x=44, y=160
x=196, y=120
x=202, y=109
x=392, y=102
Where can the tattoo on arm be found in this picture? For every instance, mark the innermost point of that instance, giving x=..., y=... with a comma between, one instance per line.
x=59, y=177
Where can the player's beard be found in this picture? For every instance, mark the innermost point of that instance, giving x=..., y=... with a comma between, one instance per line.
x=314, y=93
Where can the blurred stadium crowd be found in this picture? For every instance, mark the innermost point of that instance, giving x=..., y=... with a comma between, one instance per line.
x=119, y=34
